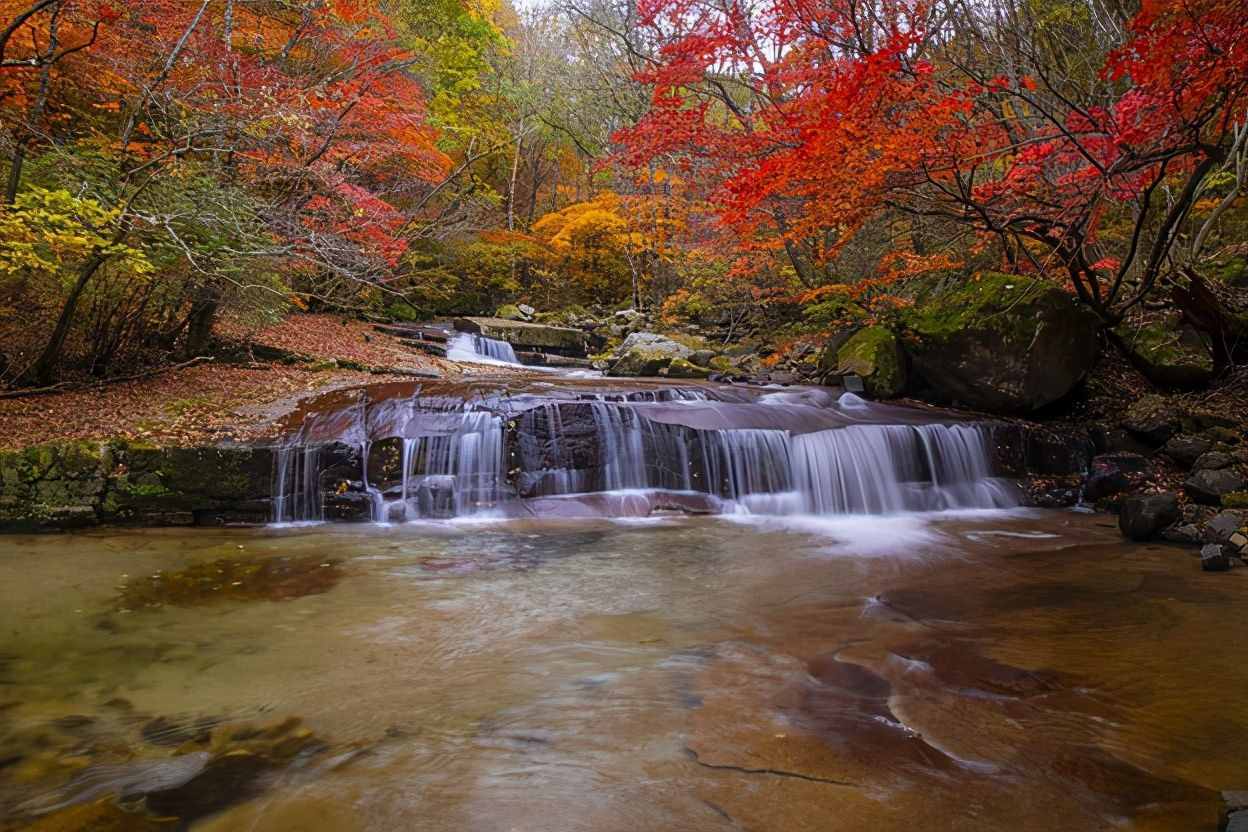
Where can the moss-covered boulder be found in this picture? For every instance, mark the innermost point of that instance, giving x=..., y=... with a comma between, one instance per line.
x=527, y=336
x=874, y=354
x=510, y=312
x=647, y=354
x=52, y=486
x=683, y=368
x=1168, y=352
x=1003, y=343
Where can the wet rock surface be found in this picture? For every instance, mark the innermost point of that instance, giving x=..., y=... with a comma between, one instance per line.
x=1146, y=516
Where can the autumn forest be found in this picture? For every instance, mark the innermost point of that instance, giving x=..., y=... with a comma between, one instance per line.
x=788, y=163
x=544, y=415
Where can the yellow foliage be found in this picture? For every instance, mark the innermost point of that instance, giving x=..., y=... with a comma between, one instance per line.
x=47, y=230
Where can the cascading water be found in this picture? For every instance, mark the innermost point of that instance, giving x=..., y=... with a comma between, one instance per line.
x=702, y=449
x=478, y=348
x=296, y=487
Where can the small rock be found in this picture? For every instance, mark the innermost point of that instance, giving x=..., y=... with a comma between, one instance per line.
x=1112, y=474
x=1240, y=542
x=1188, y=533
x=1144, y=516
x=1213, y=558
x=1222, y=527
x=1152, y=419
x=526, y=310
x=1185, y=449
x=1209, y=486
x=1212, y=461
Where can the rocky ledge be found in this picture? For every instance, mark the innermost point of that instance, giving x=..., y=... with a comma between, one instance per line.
x=77, y=484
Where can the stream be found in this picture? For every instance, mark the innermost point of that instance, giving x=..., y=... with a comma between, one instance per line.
x=819, y=633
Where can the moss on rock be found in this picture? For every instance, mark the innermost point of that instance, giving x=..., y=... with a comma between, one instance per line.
x=874, y=354
x=1168, y=352
x=1004, y=343
x=510, y=312
x=683, y=368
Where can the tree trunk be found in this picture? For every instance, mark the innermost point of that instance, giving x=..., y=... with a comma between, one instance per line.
x=45, y=368
x=199, y=324
x=1227, y=336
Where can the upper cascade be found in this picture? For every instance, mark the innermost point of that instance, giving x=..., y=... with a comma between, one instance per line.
x=560, y=448
x=467, y=347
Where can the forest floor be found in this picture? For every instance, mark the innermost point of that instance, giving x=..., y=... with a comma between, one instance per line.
x=220, y=399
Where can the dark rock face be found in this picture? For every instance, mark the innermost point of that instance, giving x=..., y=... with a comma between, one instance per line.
x=1213, y=558
x=1186, y=449
x=1005, y=343
x=1212, y=461
x=75, y=484
x=1112, y=474
x=1209, y=486
x=1143, y=517
x=1110, y=440
x=1051, y=452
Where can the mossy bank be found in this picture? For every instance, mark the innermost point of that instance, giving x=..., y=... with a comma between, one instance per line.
x=78, y=484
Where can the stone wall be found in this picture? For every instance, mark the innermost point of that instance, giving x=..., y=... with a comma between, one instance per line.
x=77, y=484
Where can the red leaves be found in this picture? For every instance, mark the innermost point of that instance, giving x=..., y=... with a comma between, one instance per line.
x=810, y=135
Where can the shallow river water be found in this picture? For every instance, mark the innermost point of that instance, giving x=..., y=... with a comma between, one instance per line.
x=1020, y=670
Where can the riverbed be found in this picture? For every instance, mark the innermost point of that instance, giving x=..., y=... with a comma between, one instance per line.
x=1021, y=670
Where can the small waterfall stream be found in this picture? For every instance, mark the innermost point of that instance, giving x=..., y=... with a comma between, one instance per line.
x=478, y=348
x=532, y=453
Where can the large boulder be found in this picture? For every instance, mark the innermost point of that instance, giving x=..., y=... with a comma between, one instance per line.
x=1185, y=449
x=1209, y=485
x=646, y=354
x=874, y=354
x=1004, y=343
x=561, y=340
x=1168, y=352
x=1143, y=517
x=682, y=368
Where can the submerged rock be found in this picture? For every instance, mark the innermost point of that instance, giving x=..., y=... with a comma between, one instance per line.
x=271, y=579
x=1004, y=343
x=1142, y=517
x=1213, y=558
x=102, y=816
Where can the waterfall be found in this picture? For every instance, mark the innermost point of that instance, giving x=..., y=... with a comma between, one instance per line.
x=443, y=456
x=879, y=469
x=478, y=348
x=297, y=484
x=453, y=474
